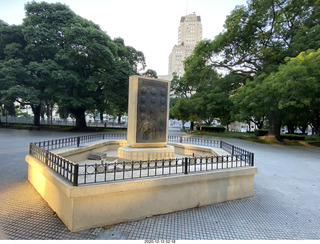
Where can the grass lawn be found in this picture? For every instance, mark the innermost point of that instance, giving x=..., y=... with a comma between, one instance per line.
x=250, y=136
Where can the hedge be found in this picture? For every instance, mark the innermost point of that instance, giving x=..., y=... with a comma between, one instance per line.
x=260, y=132
x=293, y=137
x=212, y=129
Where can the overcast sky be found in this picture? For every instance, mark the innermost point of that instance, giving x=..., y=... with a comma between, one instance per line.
x=150, y=26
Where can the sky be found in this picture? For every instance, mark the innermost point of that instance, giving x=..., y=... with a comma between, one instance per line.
x=150, y=26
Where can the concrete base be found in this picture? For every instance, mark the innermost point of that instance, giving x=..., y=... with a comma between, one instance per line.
x=127, y=153
x=97, y=205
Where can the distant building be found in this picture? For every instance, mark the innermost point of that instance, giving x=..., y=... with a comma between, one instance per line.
x=190, y=34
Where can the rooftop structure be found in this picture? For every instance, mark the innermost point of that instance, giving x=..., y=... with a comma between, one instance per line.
x=189, y=35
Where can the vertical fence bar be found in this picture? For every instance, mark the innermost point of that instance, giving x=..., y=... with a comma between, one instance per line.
x=75, y=174
x=155, y=165
x=95, y=172
x=252, y=159
x=132, y=170
x=162, y=166
x=123, y=169
x=177, y=166
x=105, y=171
x=85, y=174
x=185, y=166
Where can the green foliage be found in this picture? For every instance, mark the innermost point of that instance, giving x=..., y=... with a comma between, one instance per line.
x=252, y=50
x=150, y=73
x=293, y=137
x=260, y=132
x=58, y=57
x=296, y=89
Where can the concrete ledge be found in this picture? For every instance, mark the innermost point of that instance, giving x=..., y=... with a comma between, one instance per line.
x=127, y=153
x=94, y=205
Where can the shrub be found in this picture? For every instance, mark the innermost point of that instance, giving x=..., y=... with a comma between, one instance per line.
x=293, y=137
x=212, y=129
x=260, y=132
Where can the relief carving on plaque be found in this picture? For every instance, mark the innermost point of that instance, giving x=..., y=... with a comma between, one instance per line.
x=152, y=111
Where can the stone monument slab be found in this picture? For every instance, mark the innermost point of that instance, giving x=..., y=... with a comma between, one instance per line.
x=148, y=112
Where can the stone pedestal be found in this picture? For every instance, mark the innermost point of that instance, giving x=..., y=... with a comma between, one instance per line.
x=127, y=153
x=148, y=115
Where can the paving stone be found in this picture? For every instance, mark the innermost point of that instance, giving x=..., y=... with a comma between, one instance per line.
x=285, y=205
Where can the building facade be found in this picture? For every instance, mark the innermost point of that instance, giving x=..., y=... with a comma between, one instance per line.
x=189, y=35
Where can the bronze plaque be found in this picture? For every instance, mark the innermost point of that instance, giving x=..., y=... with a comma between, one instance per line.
x=152, y=109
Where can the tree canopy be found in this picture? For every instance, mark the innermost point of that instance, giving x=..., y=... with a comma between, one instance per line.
x=58, y=57
x=257, y=58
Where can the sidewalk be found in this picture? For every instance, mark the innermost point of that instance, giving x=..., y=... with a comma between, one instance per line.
x=285, y=205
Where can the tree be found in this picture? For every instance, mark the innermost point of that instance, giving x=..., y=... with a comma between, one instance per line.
x=87, y=57
x=249, y=103
x=150, y=73
x=59, y=57
x=114, y=92
x=259, y=36
x=11, y=59
x=256, y=40
x=207, y=91
x=43, y=30
x=296, y=89
x=183, y=109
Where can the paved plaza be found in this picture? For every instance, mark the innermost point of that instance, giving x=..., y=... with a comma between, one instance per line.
x=286, y=204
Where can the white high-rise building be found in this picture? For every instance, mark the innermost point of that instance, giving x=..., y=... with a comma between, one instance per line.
x=190, y=34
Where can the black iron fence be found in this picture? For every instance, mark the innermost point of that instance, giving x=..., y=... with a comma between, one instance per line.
x=106, y=172
x=77, y=141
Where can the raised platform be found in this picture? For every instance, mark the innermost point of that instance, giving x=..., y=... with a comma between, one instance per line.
x=96, y=205
x=127, y=153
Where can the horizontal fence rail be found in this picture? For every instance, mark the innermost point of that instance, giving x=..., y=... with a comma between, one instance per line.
x=107, y=172
x=76, y=141
x=62, y=166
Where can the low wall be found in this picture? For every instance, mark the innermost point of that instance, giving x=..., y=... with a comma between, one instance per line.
x=90, y=206
x=81, y=153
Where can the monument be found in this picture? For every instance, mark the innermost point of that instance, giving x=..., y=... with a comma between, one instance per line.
x=148, y=116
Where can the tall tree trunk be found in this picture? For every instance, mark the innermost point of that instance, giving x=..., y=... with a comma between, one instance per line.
x=119, y=119
x=316, y=121
x=11, y=110
x=291, y=128
x=303, y=128
x=274, y=124
x=36, y=109
x=80, y=118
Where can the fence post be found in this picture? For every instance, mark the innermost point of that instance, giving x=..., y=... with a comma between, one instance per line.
x=186, y=166
x=252, y=159
x=78, y=141
x=46, y=159
x=232, y=150
x=220, y=144
x=75, y=174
